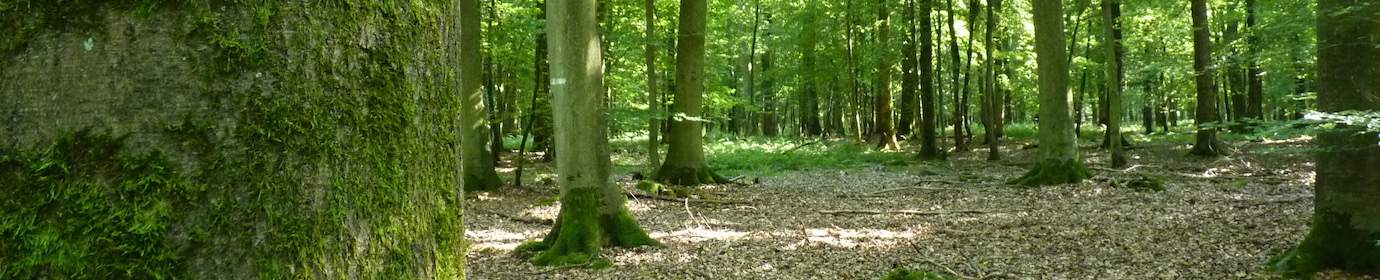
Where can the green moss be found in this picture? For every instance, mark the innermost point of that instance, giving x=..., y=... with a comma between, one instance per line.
x=901, y=273
x=1053, y=173
x=581, y=230
x=1333, y=243
x=330, y=170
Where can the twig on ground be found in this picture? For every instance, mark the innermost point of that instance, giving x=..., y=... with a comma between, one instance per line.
x=902, y=212
x=692, y=200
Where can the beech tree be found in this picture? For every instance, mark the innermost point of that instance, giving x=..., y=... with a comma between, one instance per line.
x=1346, y=219
x=1111, y=12
x=1059, y=161
x=477, y=163
x=929, y=146
x=1205, y=143
x=685, y=164
x=592, y=211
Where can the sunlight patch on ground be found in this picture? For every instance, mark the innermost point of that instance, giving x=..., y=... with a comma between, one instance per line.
x=855, y=238
x=499, y=239
x=698, y=234
x=543, y=212
x=1300, y=139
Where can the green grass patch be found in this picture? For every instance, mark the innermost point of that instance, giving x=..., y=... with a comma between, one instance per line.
x=782, y=154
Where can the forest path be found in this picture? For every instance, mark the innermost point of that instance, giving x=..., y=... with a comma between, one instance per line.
x=1218, y=219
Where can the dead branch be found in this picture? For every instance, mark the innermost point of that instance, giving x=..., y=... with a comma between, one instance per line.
x=902, y=212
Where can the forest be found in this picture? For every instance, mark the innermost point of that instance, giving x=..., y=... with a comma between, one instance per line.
x=690, y=139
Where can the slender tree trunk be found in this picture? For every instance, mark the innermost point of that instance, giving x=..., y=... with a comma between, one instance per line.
x=1059, y=161
x=1111, y=13
x=855, y=97
x=751, y=86
x=769, y=126
x=685, y=163
x=909, y=77
x=477, y=160
x=1346, y=219
x=1206, y=143
x=958, y=86
x=653, y=89
x=929, y=146
x=1256, y=86
x=886, y=133
x=989, y=93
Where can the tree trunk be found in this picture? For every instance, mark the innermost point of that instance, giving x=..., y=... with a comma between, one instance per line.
x=592, y=211
x=990, y=108
x=685, y=164
x=1111, y=13
x=1059, y=161
x=477, y=160
x=1346, y=219
x=1255, y=85
x=882, y=126
x=929, y=146
x=653, y=88
x=956, y=69
x=769, y=127
x=910, y=78
x=1206, y=143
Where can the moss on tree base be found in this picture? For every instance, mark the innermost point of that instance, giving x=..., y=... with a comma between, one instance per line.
x=582, y=229
x=688, y=176
x=1053, y=172
x=1332, y=244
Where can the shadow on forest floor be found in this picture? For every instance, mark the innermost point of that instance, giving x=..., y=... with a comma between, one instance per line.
x=1219, y=218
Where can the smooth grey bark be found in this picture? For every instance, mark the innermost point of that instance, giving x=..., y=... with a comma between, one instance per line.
x=476, y=158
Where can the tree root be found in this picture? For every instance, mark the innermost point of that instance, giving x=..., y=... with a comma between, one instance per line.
x=1053, y=173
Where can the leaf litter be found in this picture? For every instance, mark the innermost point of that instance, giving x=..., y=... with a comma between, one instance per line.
x=1220, y=218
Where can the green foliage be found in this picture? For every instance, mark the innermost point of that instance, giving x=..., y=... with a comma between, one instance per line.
x=781, y=154
x=88, y=208
x=902, y=273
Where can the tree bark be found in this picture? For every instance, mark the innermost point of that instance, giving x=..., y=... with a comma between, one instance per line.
x=685, y=163
x=883, y=126
x=1205, y=143
x=910, y=78
x=477, y=160
x=929, y=148
x=592, y=211
x=991, y=99
x=1111, y=13
x=653, y=88
x=1346, y=219
x=1059, y=161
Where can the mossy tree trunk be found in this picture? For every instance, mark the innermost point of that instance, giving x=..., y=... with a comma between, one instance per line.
x=1059, y=161
x=1346, y=219
x=592, y=211
x=476, y=158
x=685, y=164
x=1205, y=142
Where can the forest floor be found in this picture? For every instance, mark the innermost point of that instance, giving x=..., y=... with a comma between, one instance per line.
x=1220, y=218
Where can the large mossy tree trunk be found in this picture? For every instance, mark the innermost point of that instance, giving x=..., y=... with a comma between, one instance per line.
x=1346, y=219
x=592, y=211
x=1059, y=161
x=685, y=163
x=476, y=157
x=228, y=140
x=1205, y=142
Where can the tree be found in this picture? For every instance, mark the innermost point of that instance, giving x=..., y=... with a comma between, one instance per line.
x=1111, y=12
x=1205, y=143
x=1346, y=220
x=884, y=130
x=592, y=211
x=929, y=148
x=685, y=164
x=990, y=99
x=653, y=96
x=1059, y=161
x=476, y=159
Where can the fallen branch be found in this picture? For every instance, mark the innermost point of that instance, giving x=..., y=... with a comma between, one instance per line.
x=801, y=146
x=679, y=199
x=902, y=212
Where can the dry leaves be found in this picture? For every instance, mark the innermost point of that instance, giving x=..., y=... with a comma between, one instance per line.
x=1219, y=219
